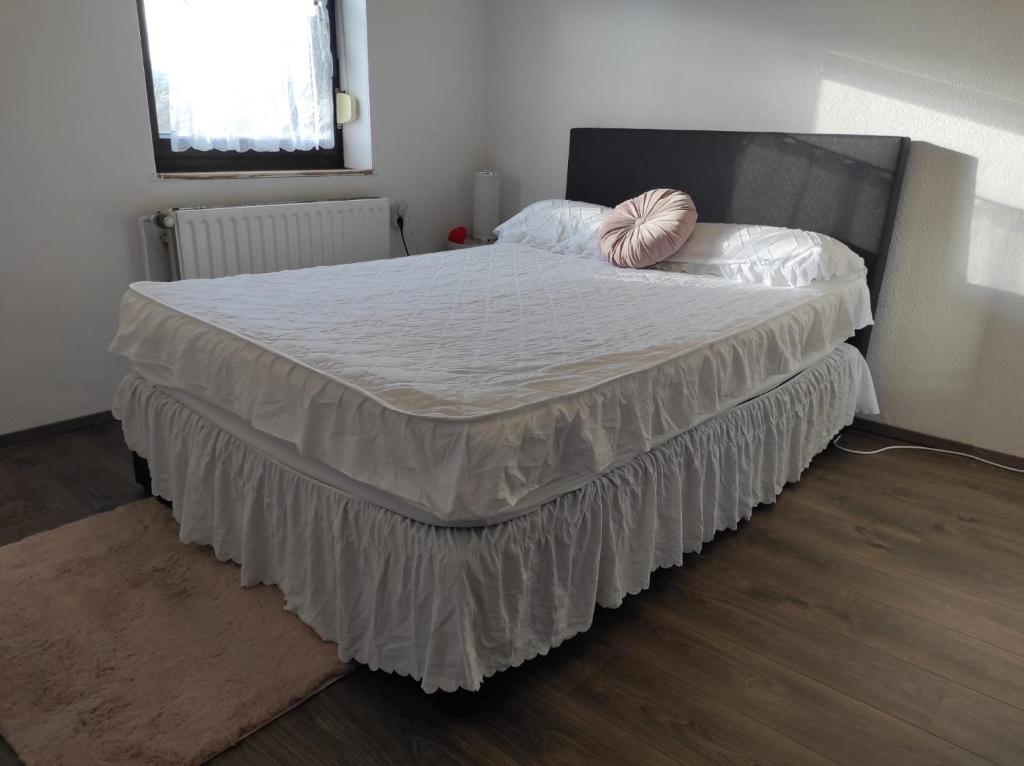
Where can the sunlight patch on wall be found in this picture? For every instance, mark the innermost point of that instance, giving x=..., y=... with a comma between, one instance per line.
x=996, y=258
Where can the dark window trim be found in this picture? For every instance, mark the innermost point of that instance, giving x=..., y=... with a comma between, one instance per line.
x=194, y=161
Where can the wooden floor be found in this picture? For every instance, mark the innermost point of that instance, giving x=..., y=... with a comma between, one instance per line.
x=874, y=615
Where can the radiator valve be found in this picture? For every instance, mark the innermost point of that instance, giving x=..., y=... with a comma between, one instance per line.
x=164, y=219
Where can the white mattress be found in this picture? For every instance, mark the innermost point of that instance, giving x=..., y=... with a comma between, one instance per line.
x=471, y=386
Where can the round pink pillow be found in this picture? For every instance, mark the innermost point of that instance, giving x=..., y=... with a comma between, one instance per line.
x=647, y=229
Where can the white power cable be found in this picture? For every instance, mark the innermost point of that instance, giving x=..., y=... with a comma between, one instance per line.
x=835, y=443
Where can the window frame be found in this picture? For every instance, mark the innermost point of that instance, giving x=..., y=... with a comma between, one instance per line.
x=216, y=161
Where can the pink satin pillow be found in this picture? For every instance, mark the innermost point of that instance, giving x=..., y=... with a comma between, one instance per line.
x=647, y=229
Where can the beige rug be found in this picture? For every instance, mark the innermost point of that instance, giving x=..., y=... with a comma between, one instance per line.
x=119, y=644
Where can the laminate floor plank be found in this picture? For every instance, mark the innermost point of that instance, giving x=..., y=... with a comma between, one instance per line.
x=80, y=473
x=801, y=708
x=24, y=510
x=7, y=756
x=527, y=720
x=354, y=725
x=944, y=708
x=663, y=709
x=773, y=533
x=781, y=589
x=997, y=546
x=1000, y=491
x=963, y=567
x=925, y=502
x=108, y=442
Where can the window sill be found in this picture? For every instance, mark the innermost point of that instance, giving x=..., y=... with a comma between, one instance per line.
x=234, y=174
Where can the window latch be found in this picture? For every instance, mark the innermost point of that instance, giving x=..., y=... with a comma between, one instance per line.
x=345, y=108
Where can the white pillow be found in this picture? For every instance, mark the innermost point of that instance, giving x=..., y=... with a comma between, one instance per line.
x=556, y=224
x=765, y=255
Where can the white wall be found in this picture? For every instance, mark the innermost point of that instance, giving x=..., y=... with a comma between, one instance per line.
x=948, y=349
x=76, y=171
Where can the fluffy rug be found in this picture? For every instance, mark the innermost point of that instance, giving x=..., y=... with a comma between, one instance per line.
x=119, y=644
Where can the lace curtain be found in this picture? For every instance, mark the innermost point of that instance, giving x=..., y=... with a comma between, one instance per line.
x=243, y=75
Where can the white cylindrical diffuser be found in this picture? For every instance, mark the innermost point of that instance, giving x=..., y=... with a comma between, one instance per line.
x=486, y=204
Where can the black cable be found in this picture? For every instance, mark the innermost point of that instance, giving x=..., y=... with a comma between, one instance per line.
x=400, y=220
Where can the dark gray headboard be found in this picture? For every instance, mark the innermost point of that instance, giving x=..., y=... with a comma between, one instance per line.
x=845, y=186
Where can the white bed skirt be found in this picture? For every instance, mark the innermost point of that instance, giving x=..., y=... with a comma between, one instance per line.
x=452, y=606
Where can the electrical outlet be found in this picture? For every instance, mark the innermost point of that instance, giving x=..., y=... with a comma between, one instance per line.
x=398, y=208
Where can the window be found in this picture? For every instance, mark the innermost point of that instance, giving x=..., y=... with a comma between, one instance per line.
x=241, y=85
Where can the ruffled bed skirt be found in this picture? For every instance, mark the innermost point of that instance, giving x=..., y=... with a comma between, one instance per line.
x=451, y=606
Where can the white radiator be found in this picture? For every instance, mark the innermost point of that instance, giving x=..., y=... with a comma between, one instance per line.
x=252, y=239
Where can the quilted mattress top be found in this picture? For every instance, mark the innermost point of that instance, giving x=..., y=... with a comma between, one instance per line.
x=474, y=385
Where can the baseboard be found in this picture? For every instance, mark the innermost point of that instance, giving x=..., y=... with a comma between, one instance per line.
x=52, y=429
x=937, y=442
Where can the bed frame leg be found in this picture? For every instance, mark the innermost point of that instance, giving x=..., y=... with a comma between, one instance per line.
x=142, y=476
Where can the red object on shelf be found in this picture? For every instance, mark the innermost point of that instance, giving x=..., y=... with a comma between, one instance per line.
x=458, y=235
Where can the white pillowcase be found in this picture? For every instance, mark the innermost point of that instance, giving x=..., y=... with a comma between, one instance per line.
x=766, y=255
x=559, y=225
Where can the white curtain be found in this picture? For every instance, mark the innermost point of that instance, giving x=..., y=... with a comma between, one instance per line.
x=244, y=75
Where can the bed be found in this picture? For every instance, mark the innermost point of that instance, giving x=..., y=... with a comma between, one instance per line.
x=447, y=462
